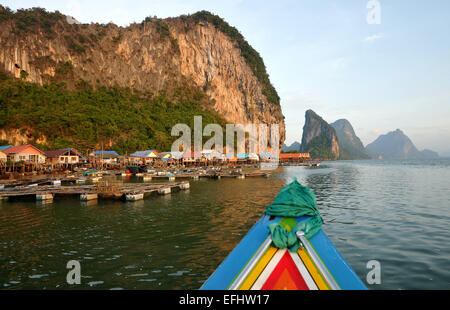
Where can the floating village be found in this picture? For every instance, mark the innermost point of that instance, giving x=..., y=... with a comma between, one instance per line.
x=29, y=173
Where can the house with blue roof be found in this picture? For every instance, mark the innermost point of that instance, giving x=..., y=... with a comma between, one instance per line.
x=144, y=157
x=242, y=156
x=4, y=147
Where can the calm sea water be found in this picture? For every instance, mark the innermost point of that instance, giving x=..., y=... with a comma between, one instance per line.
x=394, y=212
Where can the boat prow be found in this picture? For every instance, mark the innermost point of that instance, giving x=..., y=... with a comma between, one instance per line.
x=255, y=264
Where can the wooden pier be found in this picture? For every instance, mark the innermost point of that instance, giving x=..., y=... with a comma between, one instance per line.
x=196, y=176
x=127, y=191
x=111, y=185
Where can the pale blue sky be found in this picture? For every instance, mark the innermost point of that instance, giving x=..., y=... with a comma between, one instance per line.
x=323, y=55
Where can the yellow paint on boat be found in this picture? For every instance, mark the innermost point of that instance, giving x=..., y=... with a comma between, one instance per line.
x=312, y=269
x=287, y=223
x=258, y=269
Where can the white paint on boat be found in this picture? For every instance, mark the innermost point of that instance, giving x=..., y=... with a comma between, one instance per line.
x=164, y=191
x=44, y=197
x=185, y=186
x=87, y=197
x=134, y=197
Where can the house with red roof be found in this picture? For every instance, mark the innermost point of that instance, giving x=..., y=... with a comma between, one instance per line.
x=192, y=157
x=25, y=153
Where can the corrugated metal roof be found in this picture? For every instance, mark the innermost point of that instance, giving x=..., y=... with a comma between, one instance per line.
x=253, y=156
x=4, y=147
x=294, y=155
x=177, y=155
x=242, y=155
x=20, y=148
x=192, y=155
x=266, y=155
x=61, y=152
x=143, y=153
x=106, y=152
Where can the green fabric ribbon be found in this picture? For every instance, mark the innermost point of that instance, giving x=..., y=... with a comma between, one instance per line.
x=294, y=200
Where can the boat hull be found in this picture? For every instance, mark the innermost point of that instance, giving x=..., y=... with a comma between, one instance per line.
x=255, y=264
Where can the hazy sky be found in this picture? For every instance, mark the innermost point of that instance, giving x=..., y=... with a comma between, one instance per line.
x=323, y=55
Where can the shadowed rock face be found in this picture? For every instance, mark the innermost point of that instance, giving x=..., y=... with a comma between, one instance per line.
x=319, y=138
x=154, y=56
x=351, y=146
x=396, y=145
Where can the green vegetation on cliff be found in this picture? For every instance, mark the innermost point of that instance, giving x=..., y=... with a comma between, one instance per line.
x=319, y=138
x=80, y=105
x=86, y=117
x=31, y=20
x=319, y=147
x=38, y=19
x=251, y=56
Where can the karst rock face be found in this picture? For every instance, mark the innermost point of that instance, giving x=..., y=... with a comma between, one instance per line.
x=350, y=145
x=153, y=56
x=319, y=138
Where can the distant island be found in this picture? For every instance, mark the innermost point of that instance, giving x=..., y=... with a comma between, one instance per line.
x=396, y=145
x=325, y=141
x=338, y=141
x=319, y=138
x=293, y=148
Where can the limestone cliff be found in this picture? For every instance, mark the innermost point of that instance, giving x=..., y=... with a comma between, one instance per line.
x=199, y=51
x=351, y=146
x=319, y=138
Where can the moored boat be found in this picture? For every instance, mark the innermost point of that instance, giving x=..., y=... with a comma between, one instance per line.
x=90, y=172
x=286, y=252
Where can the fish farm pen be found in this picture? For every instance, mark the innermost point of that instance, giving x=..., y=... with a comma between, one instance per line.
x=110, y=185
x=128, y=191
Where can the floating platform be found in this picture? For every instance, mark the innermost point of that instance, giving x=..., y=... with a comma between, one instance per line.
x=128, y=191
